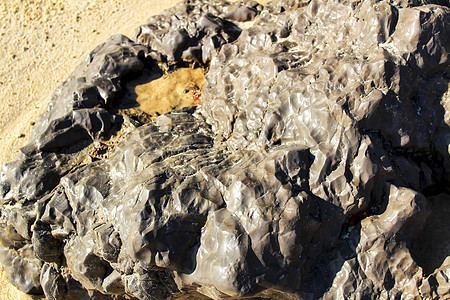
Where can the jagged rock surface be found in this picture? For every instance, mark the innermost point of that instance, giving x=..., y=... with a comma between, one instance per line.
x=305, y=171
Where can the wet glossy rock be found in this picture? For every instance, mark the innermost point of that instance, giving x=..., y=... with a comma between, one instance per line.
x=308, y=170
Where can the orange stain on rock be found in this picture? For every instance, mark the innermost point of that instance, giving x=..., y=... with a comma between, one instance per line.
x=175, y=90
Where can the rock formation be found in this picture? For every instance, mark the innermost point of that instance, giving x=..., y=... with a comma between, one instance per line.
x=309, y=169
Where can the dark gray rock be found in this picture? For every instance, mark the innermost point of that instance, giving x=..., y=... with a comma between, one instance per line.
x=307, y=170
x=193, y=31
x=22, y=268
x=52, y=282
x=45, y=246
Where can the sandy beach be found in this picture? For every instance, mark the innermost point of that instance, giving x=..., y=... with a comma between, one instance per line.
x=42, y=42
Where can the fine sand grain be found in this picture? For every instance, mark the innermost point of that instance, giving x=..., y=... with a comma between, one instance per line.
x=41, y=43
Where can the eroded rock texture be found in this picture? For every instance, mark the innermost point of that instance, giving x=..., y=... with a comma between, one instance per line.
x=309, y=170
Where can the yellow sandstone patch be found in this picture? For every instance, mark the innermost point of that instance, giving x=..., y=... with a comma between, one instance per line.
x=169, y=92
